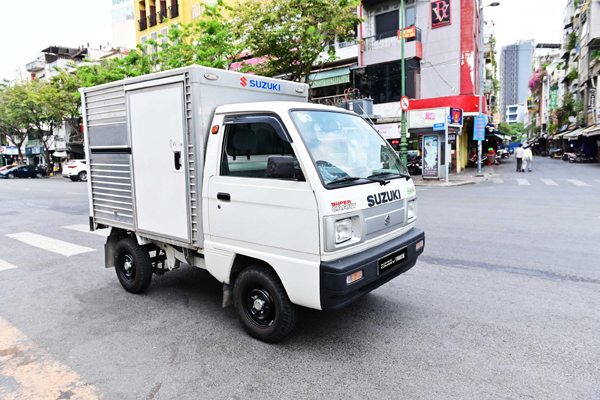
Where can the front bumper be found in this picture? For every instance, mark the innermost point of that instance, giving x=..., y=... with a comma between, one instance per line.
x=336, y=294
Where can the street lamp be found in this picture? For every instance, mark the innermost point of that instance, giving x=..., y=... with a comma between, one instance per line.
x=403, y=144
x=481, y=72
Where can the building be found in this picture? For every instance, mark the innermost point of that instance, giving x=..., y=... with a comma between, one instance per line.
x=123, y=24
x=516, y=61
x=515, y=113
x=151, y=16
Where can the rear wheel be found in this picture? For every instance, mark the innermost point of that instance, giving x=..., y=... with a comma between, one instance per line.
x=133, y=266
x=83, y=176
x=74, y=178
x=263, y=305
x=11, y=176
x=39, y=175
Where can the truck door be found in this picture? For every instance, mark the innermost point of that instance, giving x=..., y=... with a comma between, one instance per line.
x=157, y=122
x=249, y=209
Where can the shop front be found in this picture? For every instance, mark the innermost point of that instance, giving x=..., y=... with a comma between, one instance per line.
x=439, y=134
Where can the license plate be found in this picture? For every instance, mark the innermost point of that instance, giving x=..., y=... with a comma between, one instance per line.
x=392, y=260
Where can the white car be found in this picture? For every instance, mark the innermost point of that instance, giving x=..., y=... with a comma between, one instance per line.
x=76, y=170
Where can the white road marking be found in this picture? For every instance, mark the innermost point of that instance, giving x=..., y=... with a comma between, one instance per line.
x=54, y=245
x=86, y=229
x=6, y=266
x=577, y=182
x=549, y=182
x=523, y=182
x=498, y=180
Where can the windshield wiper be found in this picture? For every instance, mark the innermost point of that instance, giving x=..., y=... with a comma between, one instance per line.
x=344, y=179
x=407, y=177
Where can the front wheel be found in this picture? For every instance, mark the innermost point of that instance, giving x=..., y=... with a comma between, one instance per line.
x=39, y=175
x=263, y=305
x=11, y=176
x=133, y=266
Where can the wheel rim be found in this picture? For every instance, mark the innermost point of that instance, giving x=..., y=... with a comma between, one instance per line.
x=127, y=267
x=259, y=306
x=38, y=175
x=10, y=176
x=84, y=176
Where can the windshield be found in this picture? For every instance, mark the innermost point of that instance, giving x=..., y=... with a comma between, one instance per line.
x=345, y=148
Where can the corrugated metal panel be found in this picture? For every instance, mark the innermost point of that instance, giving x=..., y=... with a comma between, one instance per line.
x=192, y=170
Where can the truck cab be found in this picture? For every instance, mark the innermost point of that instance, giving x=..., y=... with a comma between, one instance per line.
x=287, y=204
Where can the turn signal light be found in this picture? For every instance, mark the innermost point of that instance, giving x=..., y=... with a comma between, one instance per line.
x=215, y=129
x=419, y=245
x=354, y=277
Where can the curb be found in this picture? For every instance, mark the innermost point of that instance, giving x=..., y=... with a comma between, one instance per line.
x=452, y=184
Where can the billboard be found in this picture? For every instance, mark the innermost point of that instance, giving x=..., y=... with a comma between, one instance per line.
x=430, y=156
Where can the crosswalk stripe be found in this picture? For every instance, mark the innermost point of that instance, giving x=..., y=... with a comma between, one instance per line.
x=550, y=182
x=523, y=182
x=498, y=180
x=577, y=182
x=54, y=245
x=6, y=266
x=86, y=229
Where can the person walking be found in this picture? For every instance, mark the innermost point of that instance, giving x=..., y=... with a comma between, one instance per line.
x=527, y=159
x=519, y=156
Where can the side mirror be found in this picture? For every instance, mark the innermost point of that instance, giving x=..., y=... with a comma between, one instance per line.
x=282, y=167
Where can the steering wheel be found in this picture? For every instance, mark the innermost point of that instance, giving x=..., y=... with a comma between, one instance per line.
x=324, y=164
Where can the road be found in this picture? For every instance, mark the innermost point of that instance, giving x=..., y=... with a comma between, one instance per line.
x=503, y=304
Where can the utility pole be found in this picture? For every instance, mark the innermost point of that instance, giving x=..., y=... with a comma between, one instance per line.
x=403, y=144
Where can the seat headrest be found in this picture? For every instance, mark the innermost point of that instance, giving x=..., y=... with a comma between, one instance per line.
x=244, y=140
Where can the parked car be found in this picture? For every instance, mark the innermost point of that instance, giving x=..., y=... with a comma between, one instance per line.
x=76, y=170
x=23, y=171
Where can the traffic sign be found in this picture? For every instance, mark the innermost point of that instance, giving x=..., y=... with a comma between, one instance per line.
x=2, y=149
x=404, y=103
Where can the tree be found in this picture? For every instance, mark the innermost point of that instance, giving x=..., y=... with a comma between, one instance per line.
x=292, y=34
x=10, y=124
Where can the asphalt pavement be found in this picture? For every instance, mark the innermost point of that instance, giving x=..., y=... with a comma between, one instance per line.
x=503, y=304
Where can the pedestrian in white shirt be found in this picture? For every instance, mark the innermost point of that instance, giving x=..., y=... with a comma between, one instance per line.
x=519, y=156
x=527, y=159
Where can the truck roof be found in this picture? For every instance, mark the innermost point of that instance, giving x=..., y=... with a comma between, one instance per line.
x=279, y=107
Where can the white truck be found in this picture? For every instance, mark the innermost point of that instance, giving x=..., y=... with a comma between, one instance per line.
x=284, y=202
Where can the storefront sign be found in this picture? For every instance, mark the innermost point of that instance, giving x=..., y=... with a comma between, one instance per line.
x=389, y=131
x=409, y=33
x=426, y=118
x=430, y=156
x=553, y=97
x=479, y=128
x=439, y=127
x=10, y=151
x=451, y=137
x=440, y=13
x=456, y=116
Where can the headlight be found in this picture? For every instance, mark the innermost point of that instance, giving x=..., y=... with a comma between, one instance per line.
x=343, y=230
x=412, y=210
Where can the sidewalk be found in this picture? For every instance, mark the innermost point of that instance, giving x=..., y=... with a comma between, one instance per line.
x=465, y=177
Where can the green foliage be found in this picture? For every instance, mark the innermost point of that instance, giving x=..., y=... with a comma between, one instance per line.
x=595, y=54
x=572, y=75
x=572, y=41
x=569, y=108
x=291, y=34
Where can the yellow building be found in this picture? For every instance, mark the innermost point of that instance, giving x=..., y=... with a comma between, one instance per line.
x=150, y=15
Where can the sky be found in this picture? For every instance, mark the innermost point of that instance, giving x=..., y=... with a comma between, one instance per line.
x=32, y=25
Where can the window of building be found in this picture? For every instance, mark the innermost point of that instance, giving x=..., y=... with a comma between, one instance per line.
x=248, y=145
x=387, y=24
x=164, y=32
x=154, y=36
x=382, y=82
x=512, y=117
x=512, y=110
x=144, y=39
x=410, y=14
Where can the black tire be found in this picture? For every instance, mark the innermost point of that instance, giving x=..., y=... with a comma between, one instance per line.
x=74, y=178
x=82, y=176
x=276, y=317
x=11, y=176
x=39, y=175
x=136, y=276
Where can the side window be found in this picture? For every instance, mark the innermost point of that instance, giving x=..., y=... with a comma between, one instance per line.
x=248, y=146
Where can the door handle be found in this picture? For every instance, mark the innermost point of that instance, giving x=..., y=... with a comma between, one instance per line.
x=224, y=196
x=177, y=158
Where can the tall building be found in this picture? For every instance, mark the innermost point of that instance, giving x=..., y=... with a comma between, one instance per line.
x=123, y=24
x=515, y=70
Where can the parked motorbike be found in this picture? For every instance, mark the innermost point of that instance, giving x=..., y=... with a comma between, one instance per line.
x=415, y=167
x=582, y=158
x=556, y=153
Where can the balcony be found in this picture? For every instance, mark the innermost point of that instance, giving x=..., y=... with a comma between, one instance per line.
x=36, y=65
x=152, y=19
x=143, y=24
x=162, y=15
x=386, y=47
x=174, y=11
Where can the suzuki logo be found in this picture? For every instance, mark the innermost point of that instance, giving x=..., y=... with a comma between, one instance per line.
x=244, y=81
x=386, y=220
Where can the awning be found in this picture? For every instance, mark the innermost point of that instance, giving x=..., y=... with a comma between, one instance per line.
x=59, y=154
x=574, y=134
x=591, y=131
x=330, y=77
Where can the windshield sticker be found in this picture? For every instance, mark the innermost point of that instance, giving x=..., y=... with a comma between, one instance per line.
x=302, y=117
x=343, y=205
x=410, y=191
x=384, y=197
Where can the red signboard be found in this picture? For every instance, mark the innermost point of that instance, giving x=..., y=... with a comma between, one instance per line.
x=440, y=13
x=409, y=33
